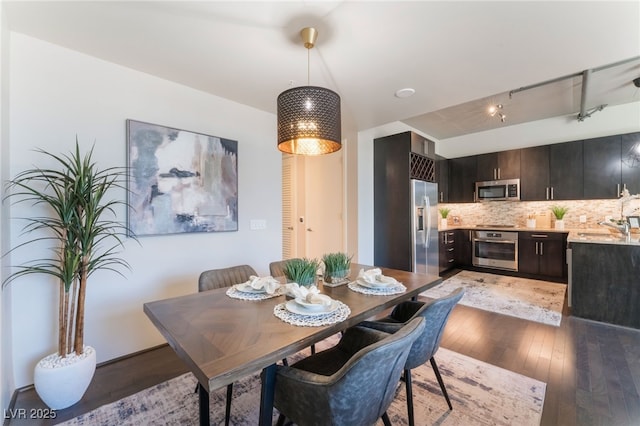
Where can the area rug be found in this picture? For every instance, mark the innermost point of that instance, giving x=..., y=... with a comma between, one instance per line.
x=481, y=394
x=533, y=300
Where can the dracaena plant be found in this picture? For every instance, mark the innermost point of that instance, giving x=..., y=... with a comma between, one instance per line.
x=81, y=227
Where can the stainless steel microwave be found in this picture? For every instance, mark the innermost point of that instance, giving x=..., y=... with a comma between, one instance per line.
x=498, y=190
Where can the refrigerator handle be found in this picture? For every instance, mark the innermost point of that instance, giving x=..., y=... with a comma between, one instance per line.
x=427, y=209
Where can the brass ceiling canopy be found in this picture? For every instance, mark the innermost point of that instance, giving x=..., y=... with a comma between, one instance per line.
x=309, y=117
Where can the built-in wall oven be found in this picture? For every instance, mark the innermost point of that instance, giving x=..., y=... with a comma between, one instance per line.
x=495, y=249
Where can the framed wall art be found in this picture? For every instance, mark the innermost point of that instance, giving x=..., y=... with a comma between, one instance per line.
x=180, y=181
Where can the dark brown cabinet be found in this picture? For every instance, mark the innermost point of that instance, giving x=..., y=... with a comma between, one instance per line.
x=630, y=174
x=462, y=179
x=498, y=165
x=566, y=171
x=602, y=167
x=446, y=250
x=534, y=173
x=442, y=177
x=463, y=247
x=542, y=253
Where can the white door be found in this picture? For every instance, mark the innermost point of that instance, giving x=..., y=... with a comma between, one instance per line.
x=323, y=194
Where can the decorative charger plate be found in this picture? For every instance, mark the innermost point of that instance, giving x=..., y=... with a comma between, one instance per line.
x=236, y=293
x=380, y=291
x=338, y=313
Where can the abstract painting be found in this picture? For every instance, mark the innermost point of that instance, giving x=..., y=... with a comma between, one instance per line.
x=180, y=181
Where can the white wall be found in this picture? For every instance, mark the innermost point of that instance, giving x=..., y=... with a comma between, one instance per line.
x=610, y=121
x=57, y=94
x=6, y=376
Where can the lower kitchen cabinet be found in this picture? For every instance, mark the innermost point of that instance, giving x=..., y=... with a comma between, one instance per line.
x=463, y=247
x=542, y=253
x=446, y=250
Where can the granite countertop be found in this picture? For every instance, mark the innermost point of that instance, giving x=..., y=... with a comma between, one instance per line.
x=588, y=235
x=600, y=236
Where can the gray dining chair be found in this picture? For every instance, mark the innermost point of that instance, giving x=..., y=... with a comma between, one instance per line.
x=221, y=278
x=352, y=383
x=436, y=314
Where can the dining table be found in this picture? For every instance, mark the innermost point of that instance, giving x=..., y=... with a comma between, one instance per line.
x=223, y=339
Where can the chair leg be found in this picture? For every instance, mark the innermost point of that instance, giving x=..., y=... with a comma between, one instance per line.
x=439, y=377
x=227, y=413
x=281, y=419
x=285, y=362
x=313, y=349
x=385, y=419
x=407, y=379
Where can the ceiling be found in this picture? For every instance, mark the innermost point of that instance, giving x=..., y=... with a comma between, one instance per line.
x=459, y=57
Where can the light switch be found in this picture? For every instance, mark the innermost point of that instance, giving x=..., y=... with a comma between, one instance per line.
x=257, y=224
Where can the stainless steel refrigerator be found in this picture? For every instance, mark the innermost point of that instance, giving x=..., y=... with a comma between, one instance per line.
x=424, y=235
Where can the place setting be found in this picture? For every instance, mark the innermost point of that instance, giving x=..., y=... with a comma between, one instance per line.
x=256, y=288
x=374, y=282
x=308, y=307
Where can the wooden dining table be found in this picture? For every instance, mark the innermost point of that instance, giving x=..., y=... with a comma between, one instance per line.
x=222, y=339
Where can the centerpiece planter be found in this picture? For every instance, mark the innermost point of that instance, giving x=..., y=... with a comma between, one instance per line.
x=444, y=212
x=336, y=268
x=84, y=236
x=302, y=271
x=559, y=212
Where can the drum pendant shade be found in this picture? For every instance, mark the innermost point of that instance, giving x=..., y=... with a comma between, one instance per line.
x=309, y=121
x=309, y=116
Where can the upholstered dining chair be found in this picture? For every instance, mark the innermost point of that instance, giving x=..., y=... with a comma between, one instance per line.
x=221, y=278
x=352, y=383
x=436, y=314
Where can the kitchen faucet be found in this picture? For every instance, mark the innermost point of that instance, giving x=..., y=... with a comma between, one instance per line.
x=623, y=228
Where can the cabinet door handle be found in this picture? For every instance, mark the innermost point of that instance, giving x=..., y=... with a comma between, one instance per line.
x=546, y=193
x=541, y=249
x=450, y=249
x=539, y=236
x=536, y=247
x=618, y=189
x=552, y=192
x=442, y=197
x=498, y=172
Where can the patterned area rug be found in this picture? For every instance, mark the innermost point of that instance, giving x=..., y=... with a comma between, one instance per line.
x=533, y=300
x=481, y=394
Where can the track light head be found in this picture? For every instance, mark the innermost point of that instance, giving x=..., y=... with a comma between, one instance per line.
x=636, y=82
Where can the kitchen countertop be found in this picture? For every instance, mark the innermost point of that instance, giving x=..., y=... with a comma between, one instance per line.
x=588, y=235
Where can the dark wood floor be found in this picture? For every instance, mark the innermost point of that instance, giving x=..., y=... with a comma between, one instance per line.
x=592, y=370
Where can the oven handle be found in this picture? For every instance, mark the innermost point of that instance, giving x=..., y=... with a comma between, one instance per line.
x=484, y=240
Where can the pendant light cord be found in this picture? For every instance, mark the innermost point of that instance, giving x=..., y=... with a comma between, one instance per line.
x=308, y=67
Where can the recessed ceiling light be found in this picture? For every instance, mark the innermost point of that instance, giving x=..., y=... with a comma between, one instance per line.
x=405, y=93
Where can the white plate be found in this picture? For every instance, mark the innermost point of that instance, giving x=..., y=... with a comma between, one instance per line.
x=315, y=306
x=246, y=288
x=292, y=306
x=386, y=283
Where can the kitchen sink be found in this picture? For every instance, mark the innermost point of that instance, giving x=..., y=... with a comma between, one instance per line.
x=601, y=236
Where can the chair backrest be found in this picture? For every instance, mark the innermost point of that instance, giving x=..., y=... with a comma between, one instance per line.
x=436, y=314
x=361, y=391
x=224, y=277
x=276, y=269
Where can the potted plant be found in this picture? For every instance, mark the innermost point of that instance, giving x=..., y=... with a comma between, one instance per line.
x=559, y=212
x=301, y=270
x=79, y=223
x=444, y=212
x=336, y=267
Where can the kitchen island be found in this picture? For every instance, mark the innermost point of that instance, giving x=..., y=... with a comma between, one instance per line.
x=604, y=280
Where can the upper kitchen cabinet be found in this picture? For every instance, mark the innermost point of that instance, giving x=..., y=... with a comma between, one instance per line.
x=499, y=165
x=462, y=179
x=565, y=171
x=551, y=172
x=602, y=167
x=442, y=177
x=630, y=175
x=534, y=173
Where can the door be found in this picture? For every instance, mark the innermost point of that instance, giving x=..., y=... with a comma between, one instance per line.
x=323, y=204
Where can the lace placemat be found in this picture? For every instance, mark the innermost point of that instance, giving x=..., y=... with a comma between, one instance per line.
x=382, y=291
x=243, y=295
x=315, y=320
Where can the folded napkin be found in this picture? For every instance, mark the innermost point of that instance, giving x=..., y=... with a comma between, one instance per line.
x=299, y=291
x=269, y=284
x=374, y=276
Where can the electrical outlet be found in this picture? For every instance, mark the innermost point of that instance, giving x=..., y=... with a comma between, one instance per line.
x=257, y=224
x=583, y=218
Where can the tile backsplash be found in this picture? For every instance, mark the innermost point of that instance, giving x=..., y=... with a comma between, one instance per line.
x=517, y=212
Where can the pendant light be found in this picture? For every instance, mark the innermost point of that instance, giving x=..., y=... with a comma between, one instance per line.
x=309, y=116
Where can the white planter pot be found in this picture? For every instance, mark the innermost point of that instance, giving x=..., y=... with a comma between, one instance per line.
x=61, y=382
x=443, y=223
x=559, y=224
